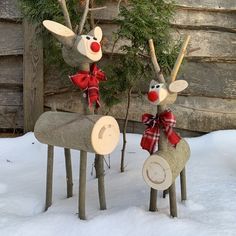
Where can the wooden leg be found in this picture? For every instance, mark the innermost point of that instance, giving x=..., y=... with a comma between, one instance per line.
x=183, y=185
x=101, y=185
x=49, y=177
x=172, y=197
x=82, y=184
x=165, y=192
x=69, y=177
x=153, y=200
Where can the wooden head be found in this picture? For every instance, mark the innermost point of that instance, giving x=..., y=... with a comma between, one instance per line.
x=163, y=93
x=77, y=49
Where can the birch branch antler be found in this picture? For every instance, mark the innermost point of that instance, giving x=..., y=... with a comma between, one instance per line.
x=179, y=59
x=83, y=20
x=156, y=66
x=65, y=13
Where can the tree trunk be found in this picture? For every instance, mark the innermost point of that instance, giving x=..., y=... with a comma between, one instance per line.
x=122, y=168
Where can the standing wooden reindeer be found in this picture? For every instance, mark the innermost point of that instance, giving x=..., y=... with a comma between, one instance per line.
x=89, y=132
x=169, y=152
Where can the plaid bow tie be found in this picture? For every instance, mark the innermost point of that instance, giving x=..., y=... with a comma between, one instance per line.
x=166, y=121
x=89, y=81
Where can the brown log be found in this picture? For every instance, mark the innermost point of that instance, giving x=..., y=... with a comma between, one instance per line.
x=153, y=200
x=161, y=169
x=91, y=133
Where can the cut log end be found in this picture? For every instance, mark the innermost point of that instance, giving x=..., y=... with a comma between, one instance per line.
x=105, y=135
x=157, y=173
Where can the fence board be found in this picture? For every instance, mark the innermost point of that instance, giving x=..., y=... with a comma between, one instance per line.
x=11, y=70
x=11, y=40
x=33, y=77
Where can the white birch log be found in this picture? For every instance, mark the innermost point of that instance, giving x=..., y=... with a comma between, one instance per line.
x=90, y=133
x=161, y=169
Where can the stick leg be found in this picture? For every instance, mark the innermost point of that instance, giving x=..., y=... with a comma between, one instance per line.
x=82, y=184
x=153, y=200
x=172, y=197
x=183, y=185
x=165, y=192
x=49, y=177
x=101, y=186
x=69, y=177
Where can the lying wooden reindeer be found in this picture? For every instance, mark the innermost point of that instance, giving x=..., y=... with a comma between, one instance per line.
x=169, y=152
x=87, y=133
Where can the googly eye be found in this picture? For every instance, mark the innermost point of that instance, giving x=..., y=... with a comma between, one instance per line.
x=87, y=37
x=95, y=38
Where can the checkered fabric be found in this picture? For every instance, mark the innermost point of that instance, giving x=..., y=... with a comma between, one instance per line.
x=166, y=121
x=88, y=81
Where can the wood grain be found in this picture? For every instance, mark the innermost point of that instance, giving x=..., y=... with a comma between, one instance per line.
x=33, y=77
x=11, y=39
x=9, y=10
x=11, y=70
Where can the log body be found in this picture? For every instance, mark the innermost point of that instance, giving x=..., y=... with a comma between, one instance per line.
x=90, y=133
x=161, y=169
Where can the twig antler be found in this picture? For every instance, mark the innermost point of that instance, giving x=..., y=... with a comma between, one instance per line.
x=156, y=66
x=65, y=13
x=180, y=58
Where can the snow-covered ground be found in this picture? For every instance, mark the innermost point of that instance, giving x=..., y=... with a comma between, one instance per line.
x=210, y=210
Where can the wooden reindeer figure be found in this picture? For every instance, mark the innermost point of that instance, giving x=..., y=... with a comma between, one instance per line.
x=169, y=152
x=72, y=130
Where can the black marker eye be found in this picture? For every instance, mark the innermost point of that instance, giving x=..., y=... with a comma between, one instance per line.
x=95, y=38
x=153, y=87
x=87, y=37
x=157, y=86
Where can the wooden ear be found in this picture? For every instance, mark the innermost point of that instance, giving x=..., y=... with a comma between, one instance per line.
x=97, y=33
x=178, y=86
x=63, y=34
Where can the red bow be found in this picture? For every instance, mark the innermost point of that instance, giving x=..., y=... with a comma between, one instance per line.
x=166, y=121
x=88, y=81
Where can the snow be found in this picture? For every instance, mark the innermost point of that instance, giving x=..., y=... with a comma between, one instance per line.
x=209, y=210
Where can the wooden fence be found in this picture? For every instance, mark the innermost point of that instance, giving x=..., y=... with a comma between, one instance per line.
x=208, y=104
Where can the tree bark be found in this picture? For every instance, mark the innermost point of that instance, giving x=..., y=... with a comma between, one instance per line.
x=122, y=168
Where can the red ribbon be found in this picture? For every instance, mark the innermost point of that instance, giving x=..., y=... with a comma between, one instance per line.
x=166, y=121
x=89, y=81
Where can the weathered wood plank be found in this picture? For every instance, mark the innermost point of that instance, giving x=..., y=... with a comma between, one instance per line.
x=211, y=43
x=11, y=39
x=11, y=70
x=214, y=5
x=201, y=19
x=11, y=117
x=9, y=10
x=11, y=97
x=201, y=114
x=210, y=79
x=33, y=77
x=183, y=17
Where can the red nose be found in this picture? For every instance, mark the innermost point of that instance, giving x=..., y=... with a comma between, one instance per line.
x=153, y=96
x=95, y=47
